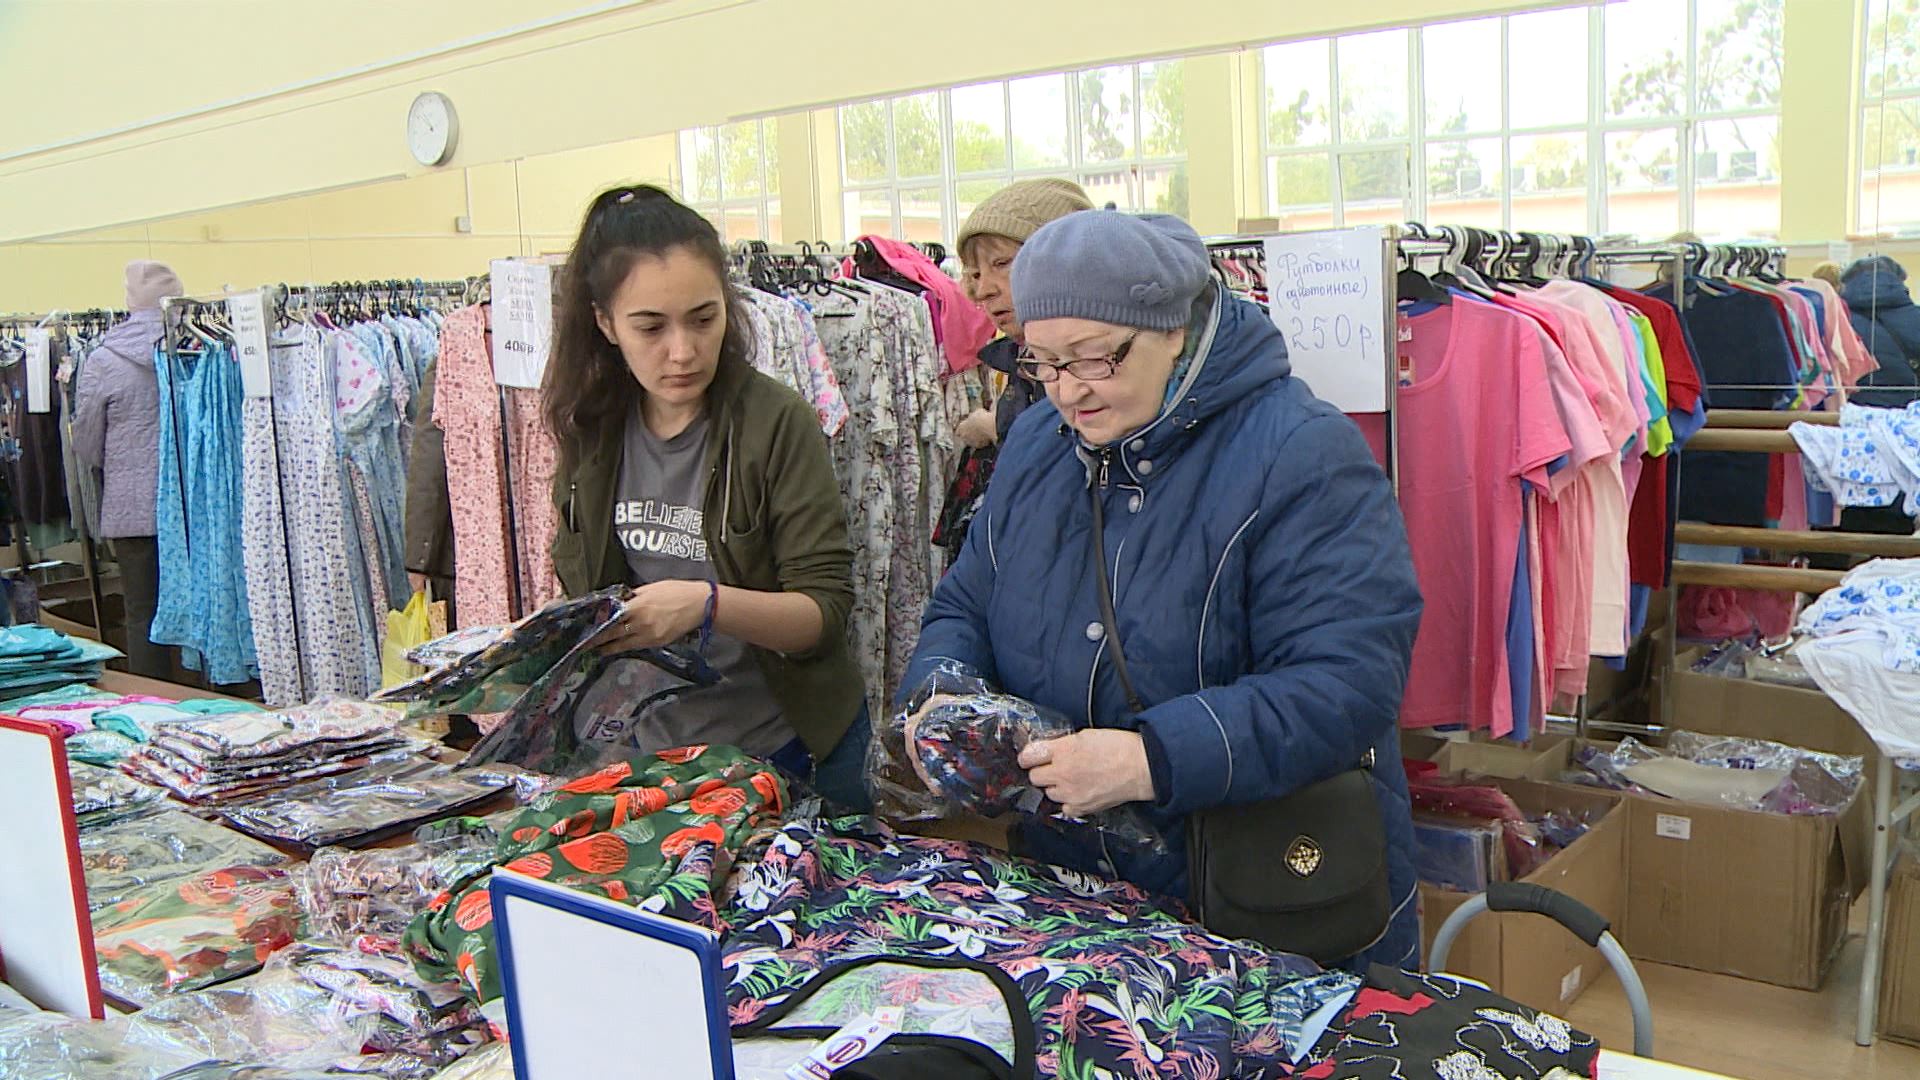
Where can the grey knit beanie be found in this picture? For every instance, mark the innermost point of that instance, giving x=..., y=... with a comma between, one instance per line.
x=1139, y=270
x=149, y=282
x=1018, y=210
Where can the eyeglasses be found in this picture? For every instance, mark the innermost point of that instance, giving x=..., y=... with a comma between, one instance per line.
x=1086, y=369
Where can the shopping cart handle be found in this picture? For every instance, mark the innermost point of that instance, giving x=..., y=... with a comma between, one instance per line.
x=1585, y=923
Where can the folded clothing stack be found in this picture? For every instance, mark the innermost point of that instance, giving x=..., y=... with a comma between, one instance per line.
x=35, y=658
x=363, y=806
x=224, y=758
x=101, y=796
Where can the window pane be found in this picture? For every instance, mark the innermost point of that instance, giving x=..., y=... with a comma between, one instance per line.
x=1163, y=188
x=920, y=219
x=916, y=135
x=740, y=161
x=775, y=234
x=863, y=141
x=1547, y=68
x=1296, y=77
x=1039, y=121
x=868, y=212
x=1373, y=186
x=1106, y=113
x=1463, y=183
x=1646, y=58
x=770, y=153
x=974, y=192
x=1736, y=177
x=699, y=165
x=1643, y=183
x=1463, y=76
x=1300, y=180
x=1114, y=186
x=1373, y=86
x=1890, y=183
x=1548, y=177
x=1739, y=59
x=1163, y=109
x=1893, y=46
x=979, y=128
x=1890, y=135
x=740, y=223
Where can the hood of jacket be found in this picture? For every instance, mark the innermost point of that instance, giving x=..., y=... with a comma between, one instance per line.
x=133, y=340
x=1000, y=354
x=1880, y=285
x=1235, y=351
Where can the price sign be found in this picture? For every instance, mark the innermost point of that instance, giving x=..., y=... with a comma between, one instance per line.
x=522, y=322
x=248, y=314
x=1327, y=297
x=39, y=371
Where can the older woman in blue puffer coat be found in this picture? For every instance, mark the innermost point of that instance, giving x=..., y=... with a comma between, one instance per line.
x=1263, y=590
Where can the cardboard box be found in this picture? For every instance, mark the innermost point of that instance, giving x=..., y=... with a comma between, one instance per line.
x=1900, y=984
x=1713, y=705
x=1531, y=958
x=1738, y=892
x=1544, y=760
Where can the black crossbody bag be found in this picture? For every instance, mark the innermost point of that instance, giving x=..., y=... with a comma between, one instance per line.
x=1305, y=873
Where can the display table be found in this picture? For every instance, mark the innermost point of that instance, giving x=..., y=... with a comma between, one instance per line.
x=1620, y=1066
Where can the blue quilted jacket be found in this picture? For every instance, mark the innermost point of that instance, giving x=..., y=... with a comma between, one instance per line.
x=1263, y=587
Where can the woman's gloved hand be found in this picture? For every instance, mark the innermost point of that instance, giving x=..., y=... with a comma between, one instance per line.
x=1090, y=771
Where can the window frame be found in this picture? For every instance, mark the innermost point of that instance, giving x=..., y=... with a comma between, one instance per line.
x=1593, y=133
x=1869, y=101
x=717, y=210
x=1077, y=166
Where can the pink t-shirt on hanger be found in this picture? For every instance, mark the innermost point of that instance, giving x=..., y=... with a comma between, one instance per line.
x=1478, y=419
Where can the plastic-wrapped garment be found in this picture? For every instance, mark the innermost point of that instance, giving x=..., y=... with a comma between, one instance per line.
x=123, y=859
x=1519, y=839
x=102, y=795
x=526, y=783
x=54, y=1046
x=176, y=936
x=140, y=720
x=405, y=1016
x=360, y=807
x=1748, y=774
x=585, y=712
x=956, y=749
x=627, y=832
x=493, y=678
x=103, y=748
x=323, y=723
x=275, y=1016
x=1455, y=854
x=12, y=1001
x=492, y=1062
x=350, y=896
x=450, y=649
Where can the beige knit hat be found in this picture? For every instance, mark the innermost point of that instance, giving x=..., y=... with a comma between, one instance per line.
x=1018, y=210
x=149, y=282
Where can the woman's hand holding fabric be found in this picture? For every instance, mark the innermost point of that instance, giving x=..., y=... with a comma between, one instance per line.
x=657, y=614
x=1090, y=771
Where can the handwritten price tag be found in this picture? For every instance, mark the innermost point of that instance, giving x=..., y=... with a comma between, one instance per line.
x=248, y=314
x=39, y=371
x=1327, y=298
x=522, y=322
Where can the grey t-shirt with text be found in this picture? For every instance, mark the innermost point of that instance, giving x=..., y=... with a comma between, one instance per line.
x=658, y=521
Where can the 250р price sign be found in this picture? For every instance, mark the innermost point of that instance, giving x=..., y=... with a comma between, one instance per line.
x=1326, y=294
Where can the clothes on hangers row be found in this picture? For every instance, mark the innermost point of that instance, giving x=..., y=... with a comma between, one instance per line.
x=1536, y=428
x=280, y=519
x=1765, y=345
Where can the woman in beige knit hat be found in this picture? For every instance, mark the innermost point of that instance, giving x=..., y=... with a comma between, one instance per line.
x=988, y=242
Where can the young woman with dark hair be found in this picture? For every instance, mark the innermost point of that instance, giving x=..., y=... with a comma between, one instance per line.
x=708, y=487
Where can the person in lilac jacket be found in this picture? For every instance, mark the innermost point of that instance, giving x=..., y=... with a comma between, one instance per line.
x=116, y=426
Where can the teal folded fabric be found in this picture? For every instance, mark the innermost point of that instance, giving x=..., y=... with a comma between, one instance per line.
x=138, y=721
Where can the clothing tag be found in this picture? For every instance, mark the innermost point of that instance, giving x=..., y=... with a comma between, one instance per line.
x=848, y=1045
x=1406, y=370
x=248, y=313
x=1674, y=827
x=522, y=322
x=1406, y=329
x=39, y=371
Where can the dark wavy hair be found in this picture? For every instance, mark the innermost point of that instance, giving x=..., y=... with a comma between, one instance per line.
x=587, y=384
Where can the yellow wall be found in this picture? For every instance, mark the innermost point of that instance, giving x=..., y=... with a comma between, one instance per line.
x=285, y=160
